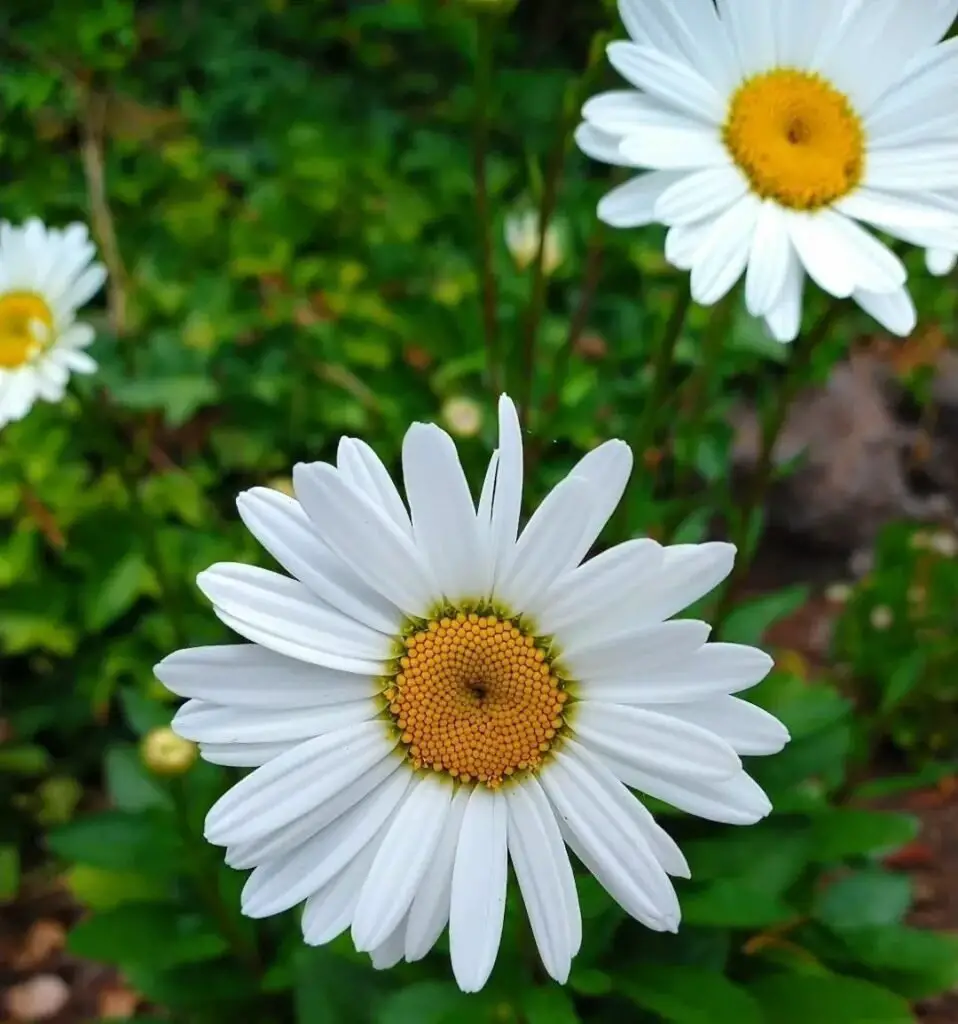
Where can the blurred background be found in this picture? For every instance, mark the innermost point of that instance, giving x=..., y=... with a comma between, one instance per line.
x=285, y=197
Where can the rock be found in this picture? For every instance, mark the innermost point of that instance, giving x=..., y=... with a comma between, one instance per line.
x=40, y=998
x=853, y=478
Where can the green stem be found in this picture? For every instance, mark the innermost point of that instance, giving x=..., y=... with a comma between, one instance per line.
x=803, y=352
x=565, y=126
x=697, y=400
x=663, y=358
x=485, y=39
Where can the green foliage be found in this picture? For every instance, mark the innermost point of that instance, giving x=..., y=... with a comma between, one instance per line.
x=291, y=188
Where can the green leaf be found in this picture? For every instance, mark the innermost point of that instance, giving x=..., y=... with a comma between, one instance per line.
x=771, y=853
x=143, y=714
x=590, y=981
x=9, y=872
x=547, y=1006
x=23, y=759
x=103, y=890
x=130, y=785
x=802, y=998
x=749, y=622
x=428, y=1002
x=916, y=963
x=147, y=934
x=689, y=995
x=119, y=841
x=840, y=834
x=328, y=987
x=107, y=597
x=179, y=396
x=734, y=903
x=871, y=897
x=903, y=680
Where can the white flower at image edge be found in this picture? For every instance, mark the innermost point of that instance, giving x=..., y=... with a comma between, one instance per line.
x=46, y=275
x=770, y=131
x=432, y=693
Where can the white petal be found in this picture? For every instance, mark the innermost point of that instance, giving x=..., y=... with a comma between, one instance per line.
x=429, y=913
x=389, y=952
x=784, y=319
x=549, y=543
x=669, y=80
x=366, y=538
x=628, y=807
x=682, y=243
x=291, y=878
x=751, y=26
x=283, y=615
x=749, y=729
x=818, y=242
x=675, y=147
x=639, y=651
x=244, y=755
x=297, y=782
x=704, y=194
x=402, y=861
x=600, y=145
x=895, y=311
x=768, y=261
x=940, y=261
x=723, y=255
x=919, y=168
x=479, y=877
x=203, y=722
x=632, y=205
x=600, y=585
x=711, y=670
x=735, y=801
x=507, y=496
x=621, y=112
x=545, y=877
x=362, y=469
x=443, y=515
x=329, y=912
x=286, y=838
x=610, y=846
x=653, y=741
x=282, y=526
x=251, y=676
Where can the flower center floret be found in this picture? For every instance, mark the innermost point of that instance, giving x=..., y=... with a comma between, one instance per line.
x=796, y=138
x=477, y=697
x=26, y=324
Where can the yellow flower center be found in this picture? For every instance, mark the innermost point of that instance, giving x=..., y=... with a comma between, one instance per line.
x=26, y=324
x=797, y=139
x=476, y=697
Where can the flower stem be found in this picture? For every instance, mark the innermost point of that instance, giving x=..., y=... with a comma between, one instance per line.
x=485, y=39
x=663, y=358
x=803, y=352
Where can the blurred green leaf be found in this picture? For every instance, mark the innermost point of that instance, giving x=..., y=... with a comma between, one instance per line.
x=688, y=995
x=802, y=998
x=9, y=872
x=158, y=935
x=914, y=962
x=103, y=890
x=734, y=903
x=870, y=897
x=23, y=759
x=849, y=832
x=130, y=785
x=547, y=1005
x=108, y=596
x=426, y=1002
x=751, y=619
x=119, y=841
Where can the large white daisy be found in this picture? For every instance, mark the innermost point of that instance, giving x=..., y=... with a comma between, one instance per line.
x=46, y=275
x=770, y=130
x=431, y=693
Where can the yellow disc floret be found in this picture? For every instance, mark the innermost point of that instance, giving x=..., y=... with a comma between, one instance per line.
x=796, y=138
x=26, y=325
x=476, y=697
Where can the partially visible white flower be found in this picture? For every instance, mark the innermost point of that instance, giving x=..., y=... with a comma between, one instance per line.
x=881, y=617
x=838, y=593
x=771, y=132
x=522, y=241
x=46, y=275
x=432, y=693
x=944, y=544
x=940, y=261
x=462, y=415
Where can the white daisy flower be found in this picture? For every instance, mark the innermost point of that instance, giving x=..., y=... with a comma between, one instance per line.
x=432, y=693
x=770, y=130
x=46, y=275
